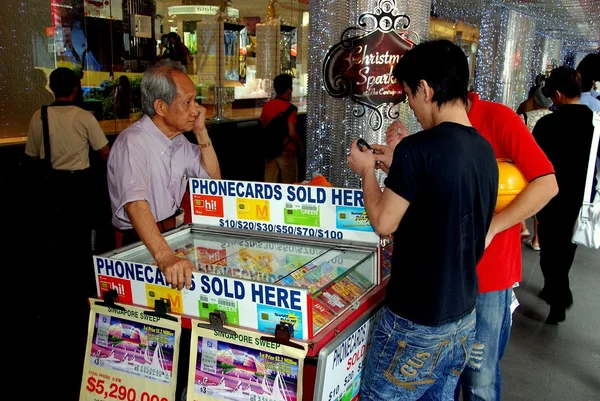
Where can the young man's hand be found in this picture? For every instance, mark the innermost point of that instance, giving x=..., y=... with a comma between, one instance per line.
x=361, y=162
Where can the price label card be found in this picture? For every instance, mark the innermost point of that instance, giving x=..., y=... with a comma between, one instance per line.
x=242, y=366
x=130, y=355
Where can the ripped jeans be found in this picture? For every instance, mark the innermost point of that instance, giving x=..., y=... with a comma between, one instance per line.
x=408, y=361
x=481, y=379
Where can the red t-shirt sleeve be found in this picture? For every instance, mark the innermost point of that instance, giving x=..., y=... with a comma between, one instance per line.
x=292, y=117
x=518, y=142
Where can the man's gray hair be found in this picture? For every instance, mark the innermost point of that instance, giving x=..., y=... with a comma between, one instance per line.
x=158, y=83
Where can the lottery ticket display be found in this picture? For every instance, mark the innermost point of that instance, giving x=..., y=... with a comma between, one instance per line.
x=130, y=355
x=242, y=366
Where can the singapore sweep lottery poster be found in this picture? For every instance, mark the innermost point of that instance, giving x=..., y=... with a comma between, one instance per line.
x=242, y=366
x=130, y=355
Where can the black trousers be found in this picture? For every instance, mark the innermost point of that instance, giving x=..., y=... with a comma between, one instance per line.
x=556, y=256
x=64, y=221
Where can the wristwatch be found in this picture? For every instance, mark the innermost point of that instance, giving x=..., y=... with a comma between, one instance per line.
x=205, y=145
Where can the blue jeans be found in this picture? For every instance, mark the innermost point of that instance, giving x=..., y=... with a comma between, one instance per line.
x=481, y=378
x=407, y=361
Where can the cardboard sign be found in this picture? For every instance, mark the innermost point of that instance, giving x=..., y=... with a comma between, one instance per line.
x=130, y=355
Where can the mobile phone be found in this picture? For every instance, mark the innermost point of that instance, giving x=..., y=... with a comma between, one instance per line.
x=361, y=142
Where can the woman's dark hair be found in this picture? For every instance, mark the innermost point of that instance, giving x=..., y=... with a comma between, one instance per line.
x=441, y=64
x=173, y=35
x=564, y=80
x=124, y=82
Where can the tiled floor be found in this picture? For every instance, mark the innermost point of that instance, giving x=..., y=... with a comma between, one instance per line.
x=555, y=363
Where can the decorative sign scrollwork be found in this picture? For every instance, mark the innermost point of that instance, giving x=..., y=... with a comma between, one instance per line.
x=360, y=66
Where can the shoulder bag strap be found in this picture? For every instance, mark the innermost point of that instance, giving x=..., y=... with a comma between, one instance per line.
x=286, y=114
x=47, y=150
x=592, y=161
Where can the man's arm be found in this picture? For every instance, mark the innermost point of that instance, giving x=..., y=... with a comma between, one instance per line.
x=530, y=201
x=531, y=160
x=208, y=157
x=177, y=271
x=294, y=136
x=104, y=152
x=385, y=210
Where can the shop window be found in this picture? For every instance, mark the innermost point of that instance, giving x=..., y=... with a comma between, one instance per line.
x=110, y=44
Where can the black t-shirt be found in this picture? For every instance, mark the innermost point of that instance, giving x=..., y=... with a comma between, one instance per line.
x=449, y=175
x=566, y=137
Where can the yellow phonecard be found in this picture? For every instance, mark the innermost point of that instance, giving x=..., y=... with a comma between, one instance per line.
x=154, y=292
x=253, y=209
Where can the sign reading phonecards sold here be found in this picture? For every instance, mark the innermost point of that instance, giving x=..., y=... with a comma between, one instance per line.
x=302, y=210
x=251, y=304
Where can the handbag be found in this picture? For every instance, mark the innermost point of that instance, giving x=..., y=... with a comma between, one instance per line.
x=587, y=226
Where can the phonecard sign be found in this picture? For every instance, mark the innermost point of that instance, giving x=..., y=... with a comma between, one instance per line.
x=362, y=66
x=159, y=292
x=122, y=286
x=253, y=209
x=285, y=209
x=352, y=218
x=207, y=205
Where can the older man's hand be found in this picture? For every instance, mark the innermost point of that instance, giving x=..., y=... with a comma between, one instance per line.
x=177, y=271
x=395, y=133
x=200, y=123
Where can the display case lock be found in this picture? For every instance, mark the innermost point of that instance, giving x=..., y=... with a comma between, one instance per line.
x=216, y=321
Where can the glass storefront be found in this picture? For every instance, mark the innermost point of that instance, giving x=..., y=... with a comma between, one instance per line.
x=110, y=43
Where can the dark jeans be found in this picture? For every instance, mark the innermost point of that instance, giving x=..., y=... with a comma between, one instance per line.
x=556, y=257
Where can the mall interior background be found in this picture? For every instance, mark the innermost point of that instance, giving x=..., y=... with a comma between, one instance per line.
x=507, y=43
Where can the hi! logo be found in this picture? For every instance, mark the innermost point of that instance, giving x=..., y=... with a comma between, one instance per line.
x=122, y=286
x=208, y=205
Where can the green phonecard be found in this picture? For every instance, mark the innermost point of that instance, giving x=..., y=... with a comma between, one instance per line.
x=230, y=307
x=302, y=215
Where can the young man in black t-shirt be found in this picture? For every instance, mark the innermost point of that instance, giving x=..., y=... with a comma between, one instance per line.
x=439, y=200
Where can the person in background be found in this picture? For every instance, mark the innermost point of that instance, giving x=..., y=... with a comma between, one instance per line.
x=541, y=108
x=151, y=162
x=178, y=50
x=123, y=98
x=589, y=70
x=501, y=265
x=72, y=131
x=529, y=104
x=164, y=47
x=66, y=218
x=445, y=173
x=284, y=168
x=566, y=137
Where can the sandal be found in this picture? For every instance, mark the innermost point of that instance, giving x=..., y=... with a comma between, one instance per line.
x=530, y=245
x=524, y=235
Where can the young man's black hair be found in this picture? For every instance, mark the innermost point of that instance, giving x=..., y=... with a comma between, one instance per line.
x=564, y=80
x=440, y=63
x=62, y=81
x=281, y=83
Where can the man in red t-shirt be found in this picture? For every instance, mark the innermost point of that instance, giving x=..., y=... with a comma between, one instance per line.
x=500, y=267
x=284, y=168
